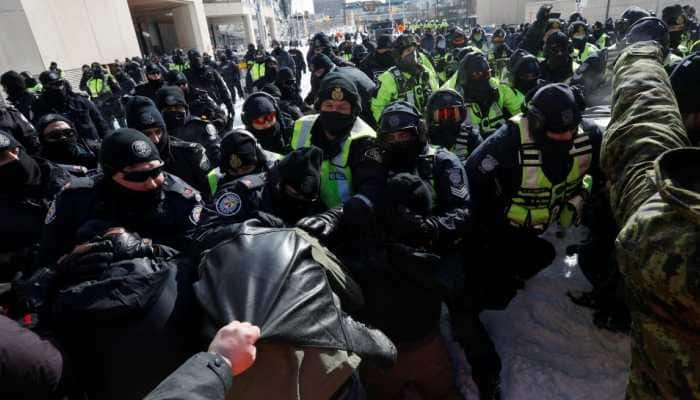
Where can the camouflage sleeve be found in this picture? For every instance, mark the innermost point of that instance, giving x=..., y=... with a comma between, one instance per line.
x=645, y=122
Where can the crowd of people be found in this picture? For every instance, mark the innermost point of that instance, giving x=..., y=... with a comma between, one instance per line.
x=140, y=227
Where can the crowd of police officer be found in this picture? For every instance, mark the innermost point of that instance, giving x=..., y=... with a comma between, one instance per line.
x=429, y=164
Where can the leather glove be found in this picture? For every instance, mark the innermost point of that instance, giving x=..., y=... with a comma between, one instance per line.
x=322, y=225
x=128, y=245
x=423, y=230
x=268, y=220
x=543, y=13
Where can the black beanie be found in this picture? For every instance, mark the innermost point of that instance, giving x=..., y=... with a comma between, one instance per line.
x=560, y=106
x=152, y=68
x=320, y=40
x=175, y=77
x=335, y=86
x=321, y=61
x=257, y=105
x=686, y=84
x=125, y=147
x=142, y=114
x=284, y=75
x=301, y=169
x=411, y=192
x=168, y=96
x=238, y=148
x=49, y=119
x=272, y=90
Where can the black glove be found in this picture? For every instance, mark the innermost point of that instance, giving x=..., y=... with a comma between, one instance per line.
x=128, y=245
x=268, y=219
x=322, y=225
x=422, y=230
x=543, y=13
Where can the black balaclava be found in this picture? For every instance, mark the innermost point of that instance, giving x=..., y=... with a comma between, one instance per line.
x=526, y=74
x=13, y=83
x=169, y=96
x=62, y=150
x=401, y=156
x=474, y=78
x=286, y=82
x=556, y=51
x=240, y=148
x=255, y=106
x=97, y=71
x=320, y=63
x=142, y=114
x=21, y=173
x=271, y=68
x=122, y=148
x=335, y=86
x=196, y=62
x=301, y=170
x=55, y=88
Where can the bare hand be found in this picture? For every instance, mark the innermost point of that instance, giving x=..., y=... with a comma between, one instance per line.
x=235, y=342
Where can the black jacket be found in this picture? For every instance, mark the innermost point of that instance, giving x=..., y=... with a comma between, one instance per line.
x=24, y=103
x=82, y=112
x=205, y=376
x=14, y=122
x=197, y=130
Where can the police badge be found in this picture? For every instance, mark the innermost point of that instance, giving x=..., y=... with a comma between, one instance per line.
x=337, y=94
x=234, y=161
x=141, y=149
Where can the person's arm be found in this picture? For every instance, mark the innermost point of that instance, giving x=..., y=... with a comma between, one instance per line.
x=645, y=122
x=24, y=131
x=208, y=376
x=452, y=216
x=97, y=119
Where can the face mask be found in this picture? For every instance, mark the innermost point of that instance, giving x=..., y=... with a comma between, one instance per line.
x=558, y=61
x=259, y=59
x=134, y=200
x=409, y=62
x=268, y=138
x=556, y=148
x=196, y=62
x=336, y=123
x=56, y=95
x=445, y=134
x=174, y=119
x=676, y=38
x=97, y=72
x=525, y=85
x=401, y=156
x=271, y=72
x=479, y=91
x=477, y=37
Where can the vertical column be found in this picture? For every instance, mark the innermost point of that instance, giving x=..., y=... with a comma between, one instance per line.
x=191, y=26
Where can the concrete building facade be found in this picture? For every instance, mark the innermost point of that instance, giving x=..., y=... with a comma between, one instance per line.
x=517, y=11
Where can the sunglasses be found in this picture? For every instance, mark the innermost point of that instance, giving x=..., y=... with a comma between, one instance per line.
x=265, y=119
x=59, y=134
x=143, y=176
x=448, y=114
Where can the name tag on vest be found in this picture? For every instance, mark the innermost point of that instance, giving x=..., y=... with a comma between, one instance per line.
x=337, y=176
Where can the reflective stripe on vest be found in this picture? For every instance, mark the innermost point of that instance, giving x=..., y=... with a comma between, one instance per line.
x=336, y=176
x=493, y=120
x=413, y=90
x=537, y=202
x=257, y=71
x=98, y=87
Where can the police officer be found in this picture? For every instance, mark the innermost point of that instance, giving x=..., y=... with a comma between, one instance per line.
x=271, y=69
x=256, y=69
x=133, y=191
x=524, y=177
x=558, y=66
x=203, y=77
x=17, y=94
x=61, y=144
x=14, y=122
x=103, y=89
x=321, y=44
x=290, y=91
x=448, y=126
x=378, y=60
x=352, y=175
x=200, y=103
x=499, y=54
x=478, y=39
x=29, y=184
x=490, y=103
x=599, y=37
x=409, y=80
x=298, y=59
x=583, y=48
x=180, y=63
x=154, y=81
x=231, y=73
x=524, y=72
x=284, y=59
x=263, y=118
x=183, y=125
x=186, y=160
x=346, y=48
x=59, y=98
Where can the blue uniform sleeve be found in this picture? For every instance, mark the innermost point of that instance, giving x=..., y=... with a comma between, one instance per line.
x=451, y=185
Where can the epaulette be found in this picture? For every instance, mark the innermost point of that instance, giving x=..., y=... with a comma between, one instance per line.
x=176, y=185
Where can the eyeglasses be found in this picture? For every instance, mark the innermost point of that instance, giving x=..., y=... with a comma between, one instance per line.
x=59, y=134
x=455, y=114
x=265, y=119
x=143, y=176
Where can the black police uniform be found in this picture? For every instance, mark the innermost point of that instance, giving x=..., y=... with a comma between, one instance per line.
x=197, y=130
x=170, y=221
x=14, y=122
x=299, y=62
x=148, y=89
x=24, y=102
x=375, y=64
x=209, y=80
x=232, y=76
x=85, y=116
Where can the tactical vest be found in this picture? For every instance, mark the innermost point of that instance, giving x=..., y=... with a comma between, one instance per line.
x=538, y=202
x=336, y=176
x=98, y=87
x=489, y=122
x=415, y=89
x=257, y=71
x=581, y=56
x=180, y=67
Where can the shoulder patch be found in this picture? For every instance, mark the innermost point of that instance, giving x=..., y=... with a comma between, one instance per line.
x=455, y=175
x=204, y=163
x=51, y=213
x=211, y=130
x=196, y=213
x=488, y=164
x=228, y=204
x=374, y=154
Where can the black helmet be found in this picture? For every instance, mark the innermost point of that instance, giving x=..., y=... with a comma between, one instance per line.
x=628, y=18
x=674, y=17
x=402, y=116
x=576, y=17
x=499, y=34
x=578, y=27
x=441, y=99
x=457, y=34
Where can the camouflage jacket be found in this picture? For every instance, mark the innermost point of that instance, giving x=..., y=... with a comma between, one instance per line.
x=655, y=195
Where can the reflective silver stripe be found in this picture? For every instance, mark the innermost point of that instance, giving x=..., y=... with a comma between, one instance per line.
x=305, y=132
x=364, y=199
x=343, y=184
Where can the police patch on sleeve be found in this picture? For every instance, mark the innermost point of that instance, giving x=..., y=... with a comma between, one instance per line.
x=455, y=175
x=51, y=213
x=228, y=204
x=488, y=164
x=141, y=149
x=373, y=154
x=457, y=186
x=196, y=213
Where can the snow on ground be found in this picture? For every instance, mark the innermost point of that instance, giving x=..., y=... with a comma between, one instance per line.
x=549, y=347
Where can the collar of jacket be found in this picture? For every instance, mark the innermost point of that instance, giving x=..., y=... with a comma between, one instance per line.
x=678, y=179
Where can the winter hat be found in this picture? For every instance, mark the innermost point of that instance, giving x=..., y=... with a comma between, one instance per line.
x=560, y=105
x=301, y=169
x=335, y=86
x=686, y=84
x=320, y=40
x=169, y=96
x=7, y=141
x=410, y=191
x=257, y=105
x=142, y=114
x=384, y=42
x=284, y=75
x=239, y=148
x=125, y=147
